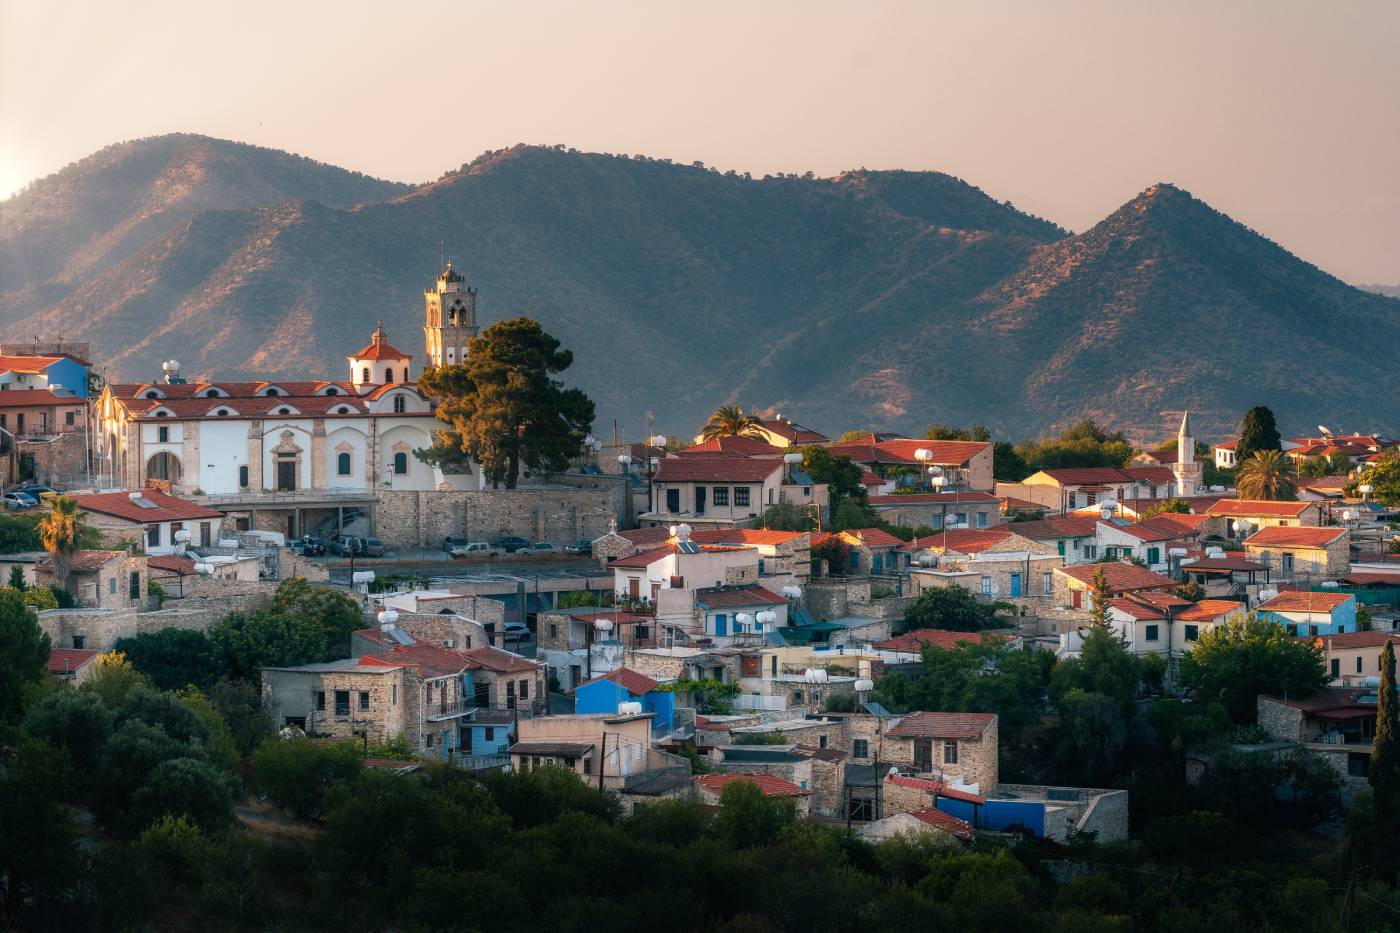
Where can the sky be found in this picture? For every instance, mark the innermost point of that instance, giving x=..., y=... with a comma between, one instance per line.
x=1283, y=114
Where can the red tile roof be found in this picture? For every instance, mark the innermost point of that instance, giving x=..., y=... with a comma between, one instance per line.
x=1304, y=537
x=737, y=596
x=168, y=508
x=871, y=479
x=771, y=785
x=1150, y=606
x=1122, y=576
x=938, y=638
x=934, y=787
x=1362, y=578
x=944, y=821
x=1358, y=639
x=647, y=558
x=1024, y=505
x=749, y=536
x=1224, y=564
x=868, y=449
x=429, y=660
x=795, y=433
x=1263, y=508
x=169, y=562
x=1208, y=610
x=943, y=725
x=379, y=349
x=36, y=398
x=961, y=540
x=1056, y=526
x=860, y=537
x=1305, y=601
x=1160, y=528
x=67, y=660
x=502, y=662
x=644, y=536
x=32, y=364
x=633, y=682
x=736, y=446
x=716, y=469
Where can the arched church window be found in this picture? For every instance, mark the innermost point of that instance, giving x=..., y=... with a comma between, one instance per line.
x=342, y=464
x=273, y=393
x=405, y=374
x=284, y=410
x=332, y=391
x=399, y=404
x=153, y=394
x=401, y=463
x=364, y=375
x=243, y=477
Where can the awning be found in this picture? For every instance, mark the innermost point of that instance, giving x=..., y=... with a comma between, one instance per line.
x=1352, y=713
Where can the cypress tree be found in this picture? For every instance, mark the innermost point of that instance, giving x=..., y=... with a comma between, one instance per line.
x=1385, y=764
x=1257, y=432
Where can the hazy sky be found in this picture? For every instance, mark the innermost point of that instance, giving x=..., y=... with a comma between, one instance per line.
x=1285, y=115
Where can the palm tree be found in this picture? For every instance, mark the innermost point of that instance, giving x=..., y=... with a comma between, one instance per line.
x=61, y=534
x=1268, y=474
x=730, y=421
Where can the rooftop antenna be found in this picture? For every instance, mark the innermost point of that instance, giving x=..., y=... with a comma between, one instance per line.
x=442, y=254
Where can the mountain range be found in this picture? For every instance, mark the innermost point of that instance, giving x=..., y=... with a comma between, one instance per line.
x=875, y=299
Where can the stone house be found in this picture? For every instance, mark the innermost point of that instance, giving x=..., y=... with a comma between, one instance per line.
x=1149, y=539
x=966, y=509
x=505, y=680
x=1064, y=490
x=966, y=465
x=724, y=491
x=1290, y=552
x=784, y=557
x=622, y=743
x=72, y=665
x=453, y=631
x=1260, y=513
x=711, y=787
x=1336, y=723
x=101, y=579
x=953, y=747
x=1072, y=585
x=1354, y=657
x=343, y=699
x=437, y=694
x=1073, y=537
x=872, y=550
x=150, y=519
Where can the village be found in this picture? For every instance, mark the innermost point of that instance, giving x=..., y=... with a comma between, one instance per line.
x=890, y=636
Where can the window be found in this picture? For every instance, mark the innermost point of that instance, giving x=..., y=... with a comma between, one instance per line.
x=1151, y=632
x=112, y=586
x=524, y=690
x=721, y=495
x=821, y=740
x=364, y=374
x=1336, y=667
x=163, y=433
x=321, y=700
x=981, y=519
x=1358, y=663
x=273, y=393
x=393, y=694
x=950, y=753
x=673, y=500
x=923, y=754
x=405, y=374
x=153, y=536
x=284, y=410
x=860, y=748
x=1060, y=547
x=399, y=404
x=332, y=391
x=1192, y=632
x=401, y=463
x=342, y=702
x=342, y=464
x=741, y=495
x=960, y=518
x=489, y=733
x=986, y=585
x=68, y=417
x=78, y=641
x=1091, y=551
x=364, y=699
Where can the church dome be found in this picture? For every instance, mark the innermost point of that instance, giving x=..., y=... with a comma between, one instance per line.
x=450, y=275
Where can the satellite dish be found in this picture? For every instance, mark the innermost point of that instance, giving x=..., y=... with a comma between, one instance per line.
x=1323, y=429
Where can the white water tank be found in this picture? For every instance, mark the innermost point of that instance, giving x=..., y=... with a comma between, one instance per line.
x=864, y=686
x=629, y=708
x=387, y=618
x=362, y=576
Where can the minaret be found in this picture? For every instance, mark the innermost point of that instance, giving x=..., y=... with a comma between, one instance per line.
x=1188, y=468
x=449, y=318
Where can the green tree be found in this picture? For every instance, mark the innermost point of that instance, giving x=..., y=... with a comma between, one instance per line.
x=503, y=407
x=941, y=432
x=334, y=612
x=1268, y=474
x=219, y=746
x=747, y=819
x=1385, y=766
x=1091, y=738
x=183, y=787
x=787, y=516
x=1082, y=445
x=977, y=677
x=38, y=840
x=1103, y=667
x=1257, y=432
x=114, y=679
x=295, y=773
x=1170, y=506
x=61, y=533
x=240, y=706
x=850, y=514
x=835, y=552
x=1313, y=467
x=841, y=476
x=244, y=644
x=730, y=421
x=171, y=657
x=24, y=653
x=1007, y=463
x=19, y=533
x=165, y=711
x=17, y=578
x=40, y=598
x=73, y=720
x=582, y=599
x=1383, y=475
x=127, y=759
x=1100, y=599
x=952, y=608
x=1236, y=662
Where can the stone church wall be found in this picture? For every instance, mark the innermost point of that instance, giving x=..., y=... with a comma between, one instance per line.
x=555, y=513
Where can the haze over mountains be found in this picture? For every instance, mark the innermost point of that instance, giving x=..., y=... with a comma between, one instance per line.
x=874, y=299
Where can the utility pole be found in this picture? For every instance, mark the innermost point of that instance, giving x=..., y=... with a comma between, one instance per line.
x=603, y=762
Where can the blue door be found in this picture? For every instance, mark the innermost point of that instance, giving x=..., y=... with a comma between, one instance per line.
x=1015, y=584
x=721, y=624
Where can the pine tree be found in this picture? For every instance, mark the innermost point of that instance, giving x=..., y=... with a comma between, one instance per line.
x=1099, y=594
x=1385, y=766
x=1257, y=432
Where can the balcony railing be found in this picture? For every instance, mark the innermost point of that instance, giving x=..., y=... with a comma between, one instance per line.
x=437, y=712
x=481, y=762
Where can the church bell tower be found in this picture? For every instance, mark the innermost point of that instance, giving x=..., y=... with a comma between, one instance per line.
x=449, y=318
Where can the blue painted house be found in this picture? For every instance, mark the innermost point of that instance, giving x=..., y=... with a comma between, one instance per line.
x=624, y=685
x=1305, y=612
x=488, y=732
x=43, y=371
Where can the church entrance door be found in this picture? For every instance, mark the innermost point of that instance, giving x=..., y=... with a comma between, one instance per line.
x=286, y=475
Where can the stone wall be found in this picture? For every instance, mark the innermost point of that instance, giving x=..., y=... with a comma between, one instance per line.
x=557, y=513
x=977, y=760
x=100, y=629
x=828, y=787
x=656, y=666
x=820, y=734
x=59, y=461
x=897, y=798
x=1106, y=817
x=1282, y=722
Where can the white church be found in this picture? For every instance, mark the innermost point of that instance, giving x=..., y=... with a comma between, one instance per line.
x=291, y=448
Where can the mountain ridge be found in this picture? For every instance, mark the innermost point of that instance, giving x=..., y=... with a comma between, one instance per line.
x=873, y=298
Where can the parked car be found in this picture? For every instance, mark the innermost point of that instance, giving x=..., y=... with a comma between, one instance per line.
x=453, y=541
x=512, y=544
x=580, y=547
x=35, y=490
x=516, y=630
x=373, y=547
x=347, y=546
x=309, y=545
x=20, y=501
x=471, y=549
x=542, y=548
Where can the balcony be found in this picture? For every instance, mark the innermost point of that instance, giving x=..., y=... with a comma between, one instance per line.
x=439, y=712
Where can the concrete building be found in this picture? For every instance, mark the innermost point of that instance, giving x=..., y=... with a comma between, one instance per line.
x=1306, y=613
x=1064, y=490
x=728, y=491
x=1353, y=659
